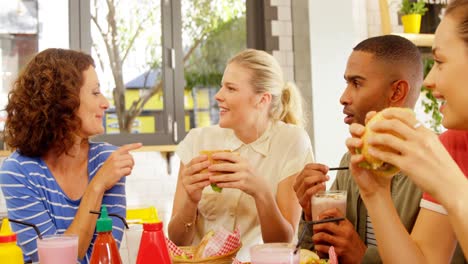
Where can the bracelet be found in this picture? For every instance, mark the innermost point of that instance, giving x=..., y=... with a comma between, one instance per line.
x=188, y=226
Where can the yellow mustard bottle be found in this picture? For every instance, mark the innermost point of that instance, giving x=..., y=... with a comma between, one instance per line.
x=10, y=253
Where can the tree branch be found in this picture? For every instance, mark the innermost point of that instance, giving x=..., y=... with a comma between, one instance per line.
x=99, y=55
x=132, y=40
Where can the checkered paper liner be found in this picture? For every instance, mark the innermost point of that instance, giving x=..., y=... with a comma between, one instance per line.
x=222, y=243
x=175, y=250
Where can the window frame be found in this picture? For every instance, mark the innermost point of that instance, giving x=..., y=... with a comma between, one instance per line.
x=172, y=70
x=172, y=64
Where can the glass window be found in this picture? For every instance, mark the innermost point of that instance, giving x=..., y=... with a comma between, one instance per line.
x=135, y=46
x=27, y=27
x=213, y=31
x=127, y=47
x=162, y=63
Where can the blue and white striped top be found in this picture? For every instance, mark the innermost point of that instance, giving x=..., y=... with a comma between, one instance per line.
x=32, y=195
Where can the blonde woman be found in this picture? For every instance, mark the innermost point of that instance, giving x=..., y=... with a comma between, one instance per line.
x=260, y=118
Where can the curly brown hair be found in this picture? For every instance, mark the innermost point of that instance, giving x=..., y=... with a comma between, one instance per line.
x=43, y=102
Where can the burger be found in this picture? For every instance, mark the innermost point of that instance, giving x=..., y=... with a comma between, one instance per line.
x=208, y=153
x=379, y=167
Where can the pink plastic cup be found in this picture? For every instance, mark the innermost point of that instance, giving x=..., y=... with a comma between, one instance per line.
x=58, y=249
x=274, y=253
x=325, y=200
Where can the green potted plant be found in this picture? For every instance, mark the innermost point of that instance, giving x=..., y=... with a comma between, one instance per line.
x=430, y=103
x=411, y=13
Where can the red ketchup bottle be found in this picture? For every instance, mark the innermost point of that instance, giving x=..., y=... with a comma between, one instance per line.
x=105, y=250
x=153, y=246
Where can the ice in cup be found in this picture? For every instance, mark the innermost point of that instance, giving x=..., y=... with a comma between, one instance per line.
x=325, y=200
x=58, y=249
x=274, y=253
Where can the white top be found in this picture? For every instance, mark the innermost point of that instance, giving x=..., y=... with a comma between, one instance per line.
x=283, y=150
x=433, y=206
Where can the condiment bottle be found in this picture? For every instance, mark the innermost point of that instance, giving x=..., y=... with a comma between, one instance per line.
x=10, y=253
x=105, y=250
x=153, y=246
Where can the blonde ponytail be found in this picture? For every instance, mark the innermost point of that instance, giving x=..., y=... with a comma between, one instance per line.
x=291, y=102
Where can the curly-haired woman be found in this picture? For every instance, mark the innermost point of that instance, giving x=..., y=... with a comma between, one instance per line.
x=56, y=175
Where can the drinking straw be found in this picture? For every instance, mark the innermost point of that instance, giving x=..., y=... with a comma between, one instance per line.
x=27, y=224
x=116, y=215
x=338, y=168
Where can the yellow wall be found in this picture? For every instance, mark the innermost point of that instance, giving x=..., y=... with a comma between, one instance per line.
x=141, y=124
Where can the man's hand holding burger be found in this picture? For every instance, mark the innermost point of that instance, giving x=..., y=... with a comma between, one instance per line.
x=310, y=181
x=370, y=173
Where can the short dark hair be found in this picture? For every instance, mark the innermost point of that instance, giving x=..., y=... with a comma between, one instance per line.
x=399, y=52
x=43, y=103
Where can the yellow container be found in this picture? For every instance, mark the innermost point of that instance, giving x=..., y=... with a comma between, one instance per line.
x=411, y=23
x=142, y=215
x=10, y=253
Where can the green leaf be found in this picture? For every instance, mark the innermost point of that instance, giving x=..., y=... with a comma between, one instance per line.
x=429, y=102
x=408, y=8
x=216, y=188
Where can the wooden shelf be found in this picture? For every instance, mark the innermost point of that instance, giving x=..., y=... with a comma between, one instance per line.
x=420, y=40
x=159, y=148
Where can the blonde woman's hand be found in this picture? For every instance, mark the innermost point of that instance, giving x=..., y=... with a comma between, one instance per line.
x=195, y=177
x=119, y=164
x=236, y=173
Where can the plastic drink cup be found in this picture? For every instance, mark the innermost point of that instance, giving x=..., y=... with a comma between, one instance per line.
x=274, y=253
x=133, y=237
x=58, y=249
x=325, y=200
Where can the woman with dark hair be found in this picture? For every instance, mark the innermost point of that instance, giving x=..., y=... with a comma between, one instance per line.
x=438, y=167
x=56, y=175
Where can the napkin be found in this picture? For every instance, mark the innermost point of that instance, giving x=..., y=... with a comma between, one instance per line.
x=222, y=243
x=176, y=251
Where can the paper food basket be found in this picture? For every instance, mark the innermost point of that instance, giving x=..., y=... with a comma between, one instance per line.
x=224, y=259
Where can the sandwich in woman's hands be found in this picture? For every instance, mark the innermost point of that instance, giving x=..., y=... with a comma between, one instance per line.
x=379, y=167
x=208, y=153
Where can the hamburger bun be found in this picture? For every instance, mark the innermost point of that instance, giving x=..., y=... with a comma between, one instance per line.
x=208, y=153
x=379, y=167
